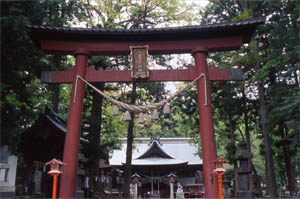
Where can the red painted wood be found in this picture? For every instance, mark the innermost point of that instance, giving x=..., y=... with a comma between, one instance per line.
x=209, y=152
x=155, y=47
x=71, y=147
x=155, y=75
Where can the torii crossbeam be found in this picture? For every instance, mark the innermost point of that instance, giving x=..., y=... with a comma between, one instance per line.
x=189, y=74
x=197, y=40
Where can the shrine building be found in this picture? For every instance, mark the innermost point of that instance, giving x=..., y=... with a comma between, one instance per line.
x=155, y=160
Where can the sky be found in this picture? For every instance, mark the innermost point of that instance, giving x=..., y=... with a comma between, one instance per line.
x=201, y=2
x=171, y=86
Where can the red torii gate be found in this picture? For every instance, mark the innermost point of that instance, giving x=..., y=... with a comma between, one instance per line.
x=197, y=40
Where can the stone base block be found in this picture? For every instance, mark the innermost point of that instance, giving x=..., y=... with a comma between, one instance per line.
x=245, y=194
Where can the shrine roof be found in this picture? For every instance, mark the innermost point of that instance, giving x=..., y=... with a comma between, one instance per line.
x=246, y=27
x=46, y=120
x=179, y=151
x=157, y=162
x=154, y=151
x=45, y=139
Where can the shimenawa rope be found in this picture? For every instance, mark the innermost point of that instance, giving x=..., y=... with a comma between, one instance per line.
x=146, y=108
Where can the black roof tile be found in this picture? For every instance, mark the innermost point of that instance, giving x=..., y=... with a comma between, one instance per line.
x=170, y=33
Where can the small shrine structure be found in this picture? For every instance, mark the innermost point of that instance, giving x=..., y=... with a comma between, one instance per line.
x=40, y=143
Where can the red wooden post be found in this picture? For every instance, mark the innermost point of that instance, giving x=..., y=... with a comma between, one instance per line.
x=206, y=124
x=54, y=186
x=71, y=147
x=220, y=185
x=219, y=170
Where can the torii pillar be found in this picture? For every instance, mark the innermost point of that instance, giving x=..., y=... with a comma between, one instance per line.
x=209, y=153
x=71, y=149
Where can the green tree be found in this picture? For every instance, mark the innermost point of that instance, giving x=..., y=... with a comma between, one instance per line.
x=23, y=97
x=268, y=67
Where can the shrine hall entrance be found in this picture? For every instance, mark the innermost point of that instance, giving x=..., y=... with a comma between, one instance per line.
x=199, y=41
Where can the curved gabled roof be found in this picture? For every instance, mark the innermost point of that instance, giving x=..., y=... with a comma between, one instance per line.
x=152, y=34
x=182, y=151
x=155, y=151
x=45, y=139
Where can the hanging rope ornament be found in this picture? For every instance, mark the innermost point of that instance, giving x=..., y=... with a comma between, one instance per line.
x=166, y=109
x=115, y=110
x=141, y=118
x=155, y=115
x=127, y=116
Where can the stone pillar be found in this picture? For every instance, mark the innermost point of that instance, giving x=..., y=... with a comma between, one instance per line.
x=243, y=156
x=37, y=176
x=8, y=173
x=135, y=196
x=171, y=190
x=12, y=172
x=171, y=178
x=140, y=190
x=131, y=190
x=226, y=187
x=136, y=179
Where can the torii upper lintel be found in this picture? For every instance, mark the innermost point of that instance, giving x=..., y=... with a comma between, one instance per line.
x=173, y=40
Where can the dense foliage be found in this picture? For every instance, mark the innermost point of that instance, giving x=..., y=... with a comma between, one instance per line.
x=263, y=110
x=269, y=98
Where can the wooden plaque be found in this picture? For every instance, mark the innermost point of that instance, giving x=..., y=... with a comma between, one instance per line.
x=139, y=68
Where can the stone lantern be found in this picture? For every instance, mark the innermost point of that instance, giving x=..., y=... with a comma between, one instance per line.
x=226, y=183
x=243, y=156
x=172, y=179
x=136, y=178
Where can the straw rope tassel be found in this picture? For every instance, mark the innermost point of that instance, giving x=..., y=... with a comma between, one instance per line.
x=141, y=118
x=115, y=110
x=75, y=94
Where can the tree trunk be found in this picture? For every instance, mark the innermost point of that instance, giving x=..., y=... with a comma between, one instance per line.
x=130, y=136
x=232, y=138
x=56, y=87
x=256, y=183
x=55, y=96
x=288, y=163
x=267, y=190
x=246, y=120
x=94, y=138
x=267, y=142
x=297, y=84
